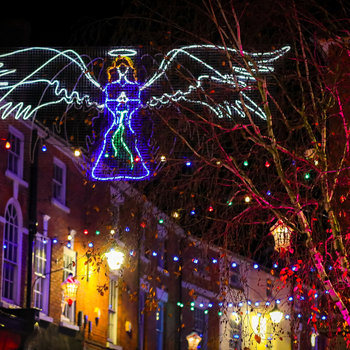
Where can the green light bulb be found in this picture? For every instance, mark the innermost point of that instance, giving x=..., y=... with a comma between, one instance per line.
x=161, y=221
x=307, y=176
x=98, y=232
x=245, y=163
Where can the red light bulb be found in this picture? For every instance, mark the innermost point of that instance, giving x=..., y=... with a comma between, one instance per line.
x=86, y=232
x=267, y=164
x=137, y=159
x=210, y=208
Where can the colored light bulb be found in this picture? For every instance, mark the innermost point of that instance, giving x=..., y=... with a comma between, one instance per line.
x=245, y=163
x=86, y=232
x=44, y=148
x=161, y=221
x=77, y=153
x=98, y=232
x=7, y=145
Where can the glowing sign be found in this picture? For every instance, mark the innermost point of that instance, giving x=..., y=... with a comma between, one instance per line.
x=35, y=81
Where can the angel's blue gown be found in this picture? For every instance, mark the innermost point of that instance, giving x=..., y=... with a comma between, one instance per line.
x=121, y=157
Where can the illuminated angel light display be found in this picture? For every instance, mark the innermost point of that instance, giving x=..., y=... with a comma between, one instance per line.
x=34, y=80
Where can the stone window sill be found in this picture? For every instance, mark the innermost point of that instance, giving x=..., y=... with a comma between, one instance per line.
x=69, y=325
x=15, y=177
x=110, y=345
x=60, y=205
x=197, y=274
x=164, y=272
x=43, y=317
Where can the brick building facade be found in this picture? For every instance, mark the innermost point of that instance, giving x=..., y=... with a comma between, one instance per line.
x=170, y=285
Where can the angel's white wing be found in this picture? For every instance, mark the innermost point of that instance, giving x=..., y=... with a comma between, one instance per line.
x=30, y=80
x=200, y=62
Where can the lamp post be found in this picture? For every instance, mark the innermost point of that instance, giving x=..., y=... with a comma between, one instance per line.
x=276, y=315
x=193, y=340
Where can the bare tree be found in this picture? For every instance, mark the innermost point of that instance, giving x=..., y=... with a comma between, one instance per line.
x=231, y=173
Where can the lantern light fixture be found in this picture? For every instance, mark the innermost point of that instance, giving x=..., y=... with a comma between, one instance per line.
x=281, y=234
x=276, y=315
x=70, y=287
x=115, y=259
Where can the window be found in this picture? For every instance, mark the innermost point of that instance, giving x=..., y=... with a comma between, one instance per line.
x=160, y=325
x=235, y=331
x=59, y=181
x=141, y=318
x=68, y=312
x=235, y=280
x=15, y=152
x=112, y=311
x=201, y=326
x=11, y=255
x=42, y=255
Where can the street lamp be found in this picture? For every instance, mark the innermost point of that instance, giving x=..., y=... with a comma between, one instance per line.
x=281, y=234
x=70, y=287
x=115, y=259
x=276, y=315
x=193, y=340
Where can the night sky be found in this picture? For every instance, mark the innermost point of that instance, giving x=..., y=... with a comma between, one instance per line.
x=54, y=29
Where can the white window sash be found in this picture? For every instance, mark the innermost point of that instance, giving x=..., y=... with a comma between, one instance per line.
x=20, y=136
x=68, y=312
x=63, y=166
x=17, y=262
x=45, y=277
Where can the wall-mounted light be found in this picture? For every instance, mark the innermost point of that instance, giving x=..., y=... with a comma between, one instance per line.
x=70, y=287
x=115, y=259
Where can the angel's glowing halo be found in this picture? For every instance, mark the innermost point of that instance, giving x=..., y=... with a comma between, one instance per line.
x=122, y=52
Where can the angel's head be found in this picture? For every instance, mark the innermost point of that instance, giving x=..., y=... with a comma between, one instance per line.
x=121, y=66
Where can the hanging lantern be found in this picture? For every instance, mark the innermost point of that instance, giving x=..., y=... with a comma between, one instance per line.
x=115, y=259
x=276, y=315
x=281, y=234
x=193, y=341
x=70, y=287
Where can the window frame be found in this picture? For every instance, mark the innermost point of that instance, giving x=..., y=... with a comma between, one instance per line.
x=235, y=328
x=113, y=312
x=46, y=277
x=160, y=331
x=202, y=332
x=68, y=316
x=57, y=162
x=235, y=272
x=13, y=131
x=17, y=276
